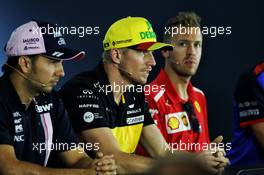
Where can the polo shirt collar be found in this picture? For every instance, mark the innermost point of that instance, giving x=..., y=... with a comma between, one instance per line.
x=103, y=78
x=170, y=89
x=11, y=93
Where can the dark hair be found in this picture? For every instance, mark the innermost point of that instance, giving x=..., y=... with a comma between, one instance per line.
x=184, y=19
x=13, y=61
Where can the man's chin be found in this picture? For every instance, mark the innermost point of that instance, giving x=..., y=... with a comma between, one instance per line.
x=188, y=73
x=47, y=90
x=141, y=82
x=138, y=81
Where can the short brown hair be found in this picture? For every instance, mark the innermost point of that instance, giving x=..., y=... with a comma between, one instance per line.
x=13, y=61
x=185, y=19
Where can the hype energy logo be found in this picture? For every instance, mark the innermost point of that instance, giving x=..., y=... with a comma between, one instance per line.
x=148, y=34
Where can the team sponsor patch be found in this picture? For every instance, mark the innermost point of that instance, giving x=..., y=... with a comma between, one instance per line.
x=16, y=114
x=30, y=47
x=98, y=116
x=18, y=128
x=57, y=54
x=248, y=109
x=247, y=104
x=18, y=121
x=173, y=123
x=19, y=138
x=30, y=40
x=87, y=91
x=137, y=119
x=197, y=106
x=249, y=112
x=88, y=117
x=87, y=96
x=177, y=122
x=61, y=41
x=88, y=106
x=133, y=111
x=43, y=108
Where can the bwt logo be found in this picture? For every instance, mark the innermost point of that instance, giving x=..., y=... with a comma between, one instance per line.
x=44, y=108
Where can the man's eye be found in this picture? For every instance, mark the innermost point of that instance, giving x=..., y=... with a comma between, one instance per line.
x=198, y=45
x=182, y=44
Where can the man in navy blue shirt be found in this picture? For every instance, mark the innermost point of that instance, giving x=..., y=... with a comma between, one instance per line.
x=248, y=143
x=33, y=120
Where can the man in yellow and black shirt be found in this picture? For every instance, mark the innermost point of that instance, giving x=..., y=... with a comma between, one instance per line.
x=91, y=107
x=107, y=105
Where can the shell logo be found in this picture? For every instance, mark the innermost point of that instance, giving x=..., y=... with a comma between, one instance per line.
x=197, y=106
x=173, y=123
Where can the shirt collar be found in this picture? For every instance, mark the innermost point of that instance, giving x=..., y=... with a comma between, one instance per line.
x=103, y=78
x=10, y=91
x=104, y=81
x=170, y=90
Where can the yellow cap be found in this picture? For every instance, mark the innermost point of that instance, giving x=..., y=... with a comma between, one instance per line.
x=132, y=31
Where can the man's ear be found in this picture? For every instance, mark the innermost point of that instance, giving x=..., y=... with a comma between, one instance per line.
x=165, y=53
x=115, y=56
x=24, y=63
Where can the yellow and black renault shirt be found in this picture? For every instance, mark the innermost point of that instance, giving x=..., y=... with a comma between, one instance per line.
x=89, y=100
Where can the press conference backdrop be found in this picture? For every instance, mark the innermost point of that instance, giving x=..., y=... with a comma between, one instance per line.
x=224, y=56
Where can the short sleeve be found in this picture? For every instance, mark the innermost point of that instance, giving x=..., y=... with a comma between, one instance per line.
x=249, y=101
x=5, y=125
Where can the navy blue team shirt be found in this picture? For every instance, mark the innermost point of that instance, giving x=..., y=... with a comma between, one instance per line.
x=248, y=110
x=36, y=131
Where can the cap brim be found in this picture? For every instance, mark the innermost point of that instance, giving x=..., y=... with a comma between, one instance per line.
x=151, y=46
x=64, y=54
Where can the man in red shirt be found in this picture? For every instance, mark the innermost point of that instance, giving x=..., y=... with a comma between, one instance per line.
x=178, y=108
x=171, y=113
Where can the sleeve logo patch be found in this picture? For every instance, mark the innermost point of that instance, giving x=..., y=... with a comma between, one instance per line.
x=197, y=106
